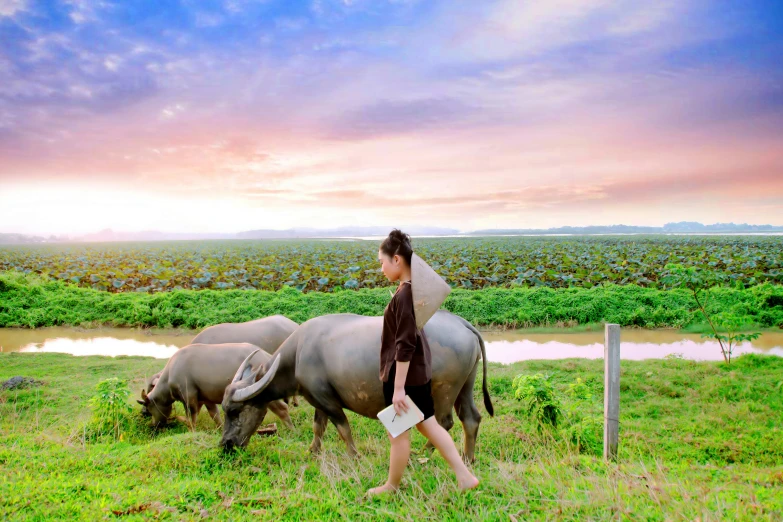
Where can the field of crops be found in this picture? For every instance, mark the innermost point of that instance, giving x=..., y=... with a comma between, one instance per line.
x=329, y=265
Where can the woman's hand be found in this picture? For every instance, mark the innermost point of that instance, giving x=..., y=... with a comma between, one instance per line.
x=398, y=400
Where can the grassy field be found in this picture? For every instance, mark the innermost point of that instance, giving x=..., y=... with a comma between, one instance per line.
x=699, y=441
x=32, y=301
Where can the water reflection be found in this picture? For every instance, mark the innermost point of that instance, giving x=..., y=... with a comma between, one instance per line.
x=508, y=352
x=518, y=345
x=103, y=346
x=103, y=341
x=504, y=347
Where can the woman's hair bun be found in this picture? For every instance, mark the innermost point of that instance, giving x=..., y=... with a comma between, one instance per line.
x=398, y=243
x=400, y=236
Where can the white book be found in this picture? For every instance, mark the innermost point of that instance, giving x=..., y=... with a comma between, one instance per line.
x=398, y=424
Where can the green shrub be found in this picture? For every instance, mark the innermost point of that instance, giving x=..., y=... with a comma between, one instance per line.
x=573, y=413
x=579, y=390
x=111, y=412
x=585, y=433
x=583, y=428
x=542, y=403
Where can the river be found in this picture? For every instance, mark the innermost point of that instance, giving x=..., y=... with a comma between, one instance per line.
x=502, y=346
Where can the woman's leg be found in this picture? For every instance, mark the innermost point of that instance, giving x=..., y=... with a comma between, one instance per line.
x=441, y=439
x=398, y=460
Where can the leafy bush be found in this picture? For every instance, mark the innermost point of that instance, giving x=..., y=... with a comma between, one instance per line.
x=572, y=413
x=583, y=428
x=586, y=434
x=579, y=390
x=538, y=392
x=111, y=412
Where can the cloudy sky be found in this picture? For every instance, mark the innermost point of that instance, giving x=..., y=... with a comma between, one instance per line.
x=215, y=116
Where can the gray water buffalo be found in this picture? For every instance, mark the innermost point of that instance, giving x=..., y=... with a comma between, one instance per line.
x=267, y=333
x=197, y=375
x=333, y=361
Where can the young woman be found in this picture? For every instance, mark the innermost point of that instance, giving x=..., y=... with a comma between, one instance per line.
x=406, y=368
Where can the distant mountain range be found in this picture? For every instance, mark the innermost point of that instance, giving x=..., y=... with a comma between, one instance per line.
x=343, y=232
x=683, y=227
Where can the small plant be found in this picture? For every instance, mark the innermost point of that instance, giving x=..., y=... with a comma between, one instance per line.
x=585, y=432
x=538, y=392
x=730, y=324
x=699, y=281
x=111, y=412
x=582, y=429
x=579, y=390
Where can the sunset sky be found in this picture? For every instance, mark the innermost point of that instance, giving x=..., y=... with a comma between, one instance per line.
x=206, y=116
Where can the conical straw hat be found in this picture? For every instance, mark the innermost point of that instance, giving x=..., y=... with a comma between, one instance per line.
x=429, y=290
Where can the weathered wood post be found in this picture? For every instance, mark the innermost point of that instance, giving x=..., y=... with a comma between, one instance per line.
x=611, y=390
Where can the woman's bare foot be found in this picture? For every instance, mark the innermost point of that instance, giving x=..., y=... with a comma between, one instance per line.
x=386, y=488
x=470, y=483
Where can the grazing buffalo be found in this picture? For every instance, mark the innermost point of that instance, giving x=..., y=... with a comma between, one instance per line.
x=197, y=375
x=267, y=333
x=333, y=361
x=148, y=387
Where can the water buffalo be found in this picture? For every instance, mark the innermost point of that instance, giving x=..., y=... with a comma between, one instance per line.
x=267, y=333
x=333, y=361
x=197, y=375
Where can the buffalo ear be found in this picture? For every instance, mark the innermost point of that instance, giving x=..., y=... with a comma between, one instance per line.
x=248, y=392
x=141, y=402
x=247, y=373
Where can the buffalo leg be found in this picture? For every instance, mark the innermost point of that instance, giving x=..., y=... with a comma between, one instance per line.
x=326, y=401
x=340, y=422
x=194, y=415
x=281, y=410
x=319, y=428
x=191, y=410
x=469, y=415
x=214, y=413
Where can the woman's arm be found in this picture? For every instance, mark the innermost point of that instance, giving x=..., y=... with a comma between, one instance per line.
x=398, y=399
x=405, y=341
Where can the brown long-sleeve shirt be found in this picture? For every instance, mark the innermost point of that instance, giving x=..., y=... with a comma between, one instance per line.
x=402, y=341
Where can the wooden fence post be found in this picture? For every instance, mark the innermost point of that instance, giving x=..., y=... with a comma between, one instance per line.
x=611, y=390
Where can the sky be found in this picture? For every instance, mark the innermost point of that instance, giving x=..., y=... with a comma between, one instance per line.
x=224, y=116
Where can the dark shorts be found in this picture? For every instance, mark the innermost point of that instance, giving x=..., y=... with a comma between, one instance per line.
x=420, y=395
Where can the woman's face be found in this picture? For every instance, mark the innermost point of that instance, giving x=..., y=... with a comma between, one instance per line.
x=390, y=266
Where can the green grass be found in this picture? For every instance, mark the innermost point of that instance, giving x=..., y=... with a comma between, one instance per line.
x=697, y=441
x=32, y=301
